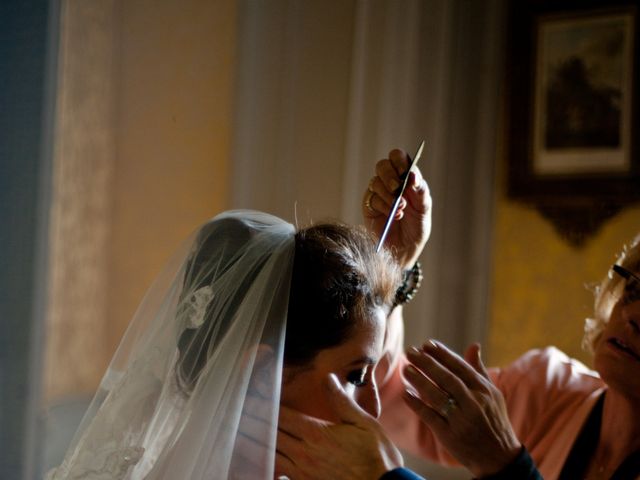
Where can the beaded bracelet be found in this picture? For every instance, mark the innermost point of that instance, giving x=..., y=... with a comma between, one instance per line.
x=411, y=281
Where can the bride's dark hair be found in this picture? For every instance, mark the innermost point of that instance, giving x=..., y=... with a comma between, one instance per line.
x=338, y=279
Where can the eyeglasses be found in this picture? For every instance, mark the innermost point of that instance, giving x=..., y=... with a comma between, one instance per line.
x=632, y=285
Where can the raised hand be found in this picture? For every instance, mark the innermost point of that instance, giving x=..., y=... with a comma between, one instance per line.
x=412, y=224
x=355, y=449
x=461, y=406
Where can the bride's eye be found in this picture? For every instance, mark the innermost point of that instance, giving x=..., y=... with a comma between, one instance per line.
x=357, y=377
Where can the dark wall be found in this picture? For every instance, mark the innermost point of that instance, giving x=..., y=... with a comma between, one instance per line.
x=27, y=28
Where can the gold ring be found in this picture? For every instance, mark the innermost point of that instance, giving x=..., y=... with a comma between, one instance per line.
x=448, y=407
x=367, y=201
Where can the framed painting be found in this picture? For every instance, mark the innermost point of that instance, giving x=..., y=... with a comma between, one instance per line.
x=573, y=104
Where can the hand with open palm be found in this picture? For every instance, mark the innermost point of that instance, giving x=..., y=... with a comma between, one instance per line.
x=355, y=448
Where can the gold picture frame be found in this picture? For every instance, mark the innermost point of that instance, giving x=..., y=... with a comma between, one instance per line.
x=573, y=103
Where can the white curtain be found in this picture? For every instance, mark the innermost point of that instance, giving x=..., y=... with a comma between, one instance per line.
x=326, y=87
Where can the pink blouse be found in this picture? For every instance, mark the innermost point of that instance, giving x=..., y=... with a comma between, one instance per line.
x=548, y=395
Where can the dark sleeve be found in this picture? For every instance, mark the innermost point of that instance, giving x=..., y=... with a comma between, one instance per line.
x=522, y=468
x=401, y=474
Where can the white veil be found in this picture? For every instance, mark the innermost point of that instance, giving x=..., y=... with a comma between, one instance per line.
x=171, y=403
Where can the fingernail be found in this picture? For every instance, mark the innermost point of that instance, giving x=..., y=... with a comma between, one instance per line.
x=413, y=349
x=394, y=184
x=431, y=344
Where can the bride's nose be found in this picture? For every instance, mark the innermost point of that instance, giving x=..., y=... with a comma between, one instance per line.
x=369, y=400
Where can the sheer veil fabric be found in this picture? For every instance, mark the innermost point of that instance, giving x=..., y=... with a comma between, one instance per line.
x=208, y=334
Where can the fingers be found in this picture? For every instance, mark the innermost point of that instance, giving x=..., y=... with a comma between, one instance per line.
x=472, y=356
x=347, y=410
x=377, y=207
x=284, y=467
x=258, y=407
x=377, y=186
x=254, y=429
x=390, y=177
x=255, y=425
x=378, y=200
x=285, y=453
x=391, y=171
x=417, y=193
x=426, y=413
x=427, y=391
x=289, y=447
x=383, y=187
x=438, y=374
x=298, y=425
x=399, y=160
x=455, y=364
x=295, y=453
x=249, y=456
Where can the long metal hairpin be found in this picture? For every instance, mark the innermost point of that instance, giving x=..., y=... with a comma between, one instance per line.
x=398, y=193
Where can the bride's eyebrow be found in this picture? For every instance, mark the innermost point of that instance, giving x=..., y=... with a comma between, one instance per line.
x=362, y=360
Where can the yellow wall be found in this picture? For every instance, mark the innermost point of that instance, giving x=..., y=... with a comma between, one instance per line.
x=173, y=133
x=539, y=296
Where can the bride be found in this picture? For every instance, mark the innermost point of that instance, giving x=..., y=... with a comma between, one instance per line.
x=247, y=308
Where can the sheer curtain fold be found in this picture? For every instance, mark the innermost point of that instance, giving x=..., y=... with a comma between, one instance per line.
x=400, y=72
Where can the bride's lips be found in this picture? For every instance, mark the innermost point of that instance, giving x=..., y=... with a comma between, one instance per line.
x=623, y=347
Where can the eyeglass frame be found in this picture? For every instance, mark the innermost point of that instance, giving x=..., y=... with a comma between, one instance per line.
x=626, y=275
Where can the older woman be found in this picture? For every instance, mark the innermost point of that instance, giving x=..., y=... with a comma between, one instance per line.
x=544, y=415
x=576, y=423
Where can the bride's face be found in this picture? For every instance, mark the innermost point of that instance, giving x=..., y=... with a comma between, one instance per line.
x=353, y=362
